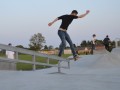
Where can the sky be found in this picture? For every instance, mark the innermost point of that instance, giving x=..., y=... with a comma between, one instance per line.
x=21, y=19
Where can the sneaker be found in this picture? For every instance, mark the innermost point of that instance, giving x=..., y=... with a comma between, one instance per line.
x=76, y=57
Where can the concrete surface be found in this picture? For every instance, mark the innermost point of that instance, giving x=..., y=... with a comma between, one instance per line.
x=92, y=72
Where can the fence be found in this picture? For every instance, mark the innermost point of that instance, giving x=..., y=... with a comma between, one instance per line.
x=33, y=54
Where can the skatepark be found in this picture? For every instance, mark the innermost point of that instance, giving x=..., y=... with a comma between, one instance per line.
x=42, y=24
x=92, y=72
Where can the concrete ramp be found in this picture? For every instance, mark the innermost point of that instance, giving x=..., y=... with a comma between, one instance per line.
x=107, y=61
x=116, y=51
x=103, y=51
x=91, y=72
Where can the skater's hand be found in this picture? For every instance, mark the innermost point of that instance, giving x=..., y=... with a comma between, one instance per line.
x=83, y=15
x=87, y=11
x=50, y=24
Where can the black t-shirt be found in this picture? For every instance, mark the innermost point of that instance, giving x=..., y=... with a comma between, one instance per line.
x=106, y=41
x=66, y=20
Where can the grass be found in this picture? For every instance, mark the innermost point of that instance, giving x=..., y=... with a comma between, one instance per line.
x=22, y=66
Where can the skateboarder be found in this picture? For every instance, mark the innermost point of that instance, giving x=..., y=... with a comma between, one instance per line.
x=62, y=32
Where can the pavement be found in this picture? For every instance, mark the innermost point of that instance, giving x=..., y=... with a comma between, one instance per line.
x=92, y=72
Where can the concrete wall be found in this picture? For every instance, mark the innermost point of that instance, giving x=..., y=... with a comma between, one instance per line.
x=67, y=51
x=51, y=52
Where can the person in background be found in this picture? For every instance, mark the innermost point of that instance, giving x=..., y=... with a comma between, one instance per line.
x=93, y=43
x=106, y=42
x=10, y=54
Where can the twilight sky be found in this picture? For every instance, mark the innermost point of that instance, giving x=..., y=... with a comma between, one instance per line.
x=20, y=19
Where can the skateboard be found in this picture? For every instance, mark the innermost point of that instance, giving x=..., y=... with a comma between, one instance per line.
x=75, y=59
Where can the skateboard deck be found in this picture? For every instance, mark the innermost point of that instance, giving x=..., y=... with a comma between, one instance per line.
x=72, y=58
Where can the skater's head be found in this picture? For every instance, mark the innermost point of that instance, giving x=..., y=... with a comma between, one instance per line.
x=10, y=44
x=107, y=36
x=94, y=35
x=74, y=12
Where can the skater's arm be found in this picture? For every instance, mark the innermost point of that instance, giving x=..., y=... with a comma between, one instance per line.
x=83, y=15
x=50, y=24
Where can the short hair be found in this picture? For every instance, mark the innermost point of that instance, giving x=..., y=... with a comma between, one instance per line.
x=9, y=44
x=94, y=35
x=75, y=11
x=107, y=36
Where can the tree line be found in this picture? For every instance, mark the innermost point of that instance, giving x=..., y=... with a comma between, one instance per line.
x=88, y=43
x=37, y=42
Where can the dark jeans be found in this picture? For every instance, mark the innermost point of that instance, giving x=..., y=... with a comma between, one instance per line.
x=65, y=37
x=107, y=47
x=92, y=48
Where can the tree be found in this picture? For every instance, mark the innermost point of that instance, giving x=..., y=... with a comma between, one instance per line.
x=50, y=47
x=19, y=46
x=113, y=43
x=67, y=47
x=45, y=47
x=36, y=42
x=84, y=43
x=57, y=48
x=89, y=43
x=99, y=42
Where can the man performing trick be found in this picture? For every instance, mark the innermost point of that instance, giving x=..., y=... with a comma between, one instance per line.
x=62, y=32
